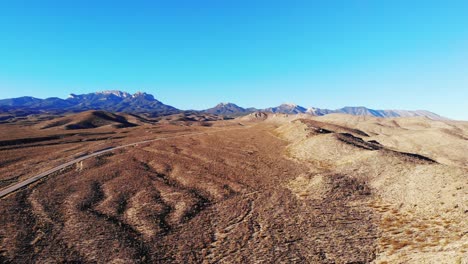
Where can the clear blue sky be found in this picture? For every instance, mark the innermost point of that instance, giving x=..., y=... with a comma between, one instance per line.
x=194, y=54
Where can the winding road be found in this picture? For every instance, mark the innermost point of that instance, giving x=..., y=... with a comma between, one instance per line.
x=42, y=175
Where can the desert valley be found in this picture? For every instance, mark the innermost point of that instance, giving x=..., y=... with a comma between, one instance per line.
x=229, y=185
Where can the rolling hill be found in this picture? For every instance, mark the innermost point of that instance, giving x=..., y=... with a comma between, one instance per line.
x=89, y=119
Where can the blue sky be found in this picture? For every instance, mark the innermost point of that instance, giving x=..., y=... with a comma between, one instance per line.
x=194, y=54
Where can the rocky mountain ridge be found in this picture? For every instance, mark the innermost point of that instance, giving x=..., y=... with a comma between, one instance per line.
x=144, y=103
x=112, y=101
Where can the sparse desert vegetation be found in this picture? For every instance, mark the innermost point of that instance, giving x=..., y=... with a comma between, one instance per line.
x=257, y=189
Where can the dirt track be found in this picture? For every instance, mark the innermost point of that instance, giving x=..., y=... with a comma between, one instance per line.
x=31, y=180
x=208, y=198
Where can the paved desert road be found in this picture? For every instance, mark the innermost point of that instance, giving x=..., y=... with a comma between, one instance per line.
x=36, y=178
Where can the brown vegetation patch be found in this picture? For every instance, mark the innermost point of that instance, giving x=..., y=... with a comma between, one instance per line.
x=325, y=128
x=357, y=142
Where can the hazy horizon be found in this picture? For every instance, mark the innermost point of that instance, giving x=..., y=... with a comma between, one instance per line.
x=190, y=55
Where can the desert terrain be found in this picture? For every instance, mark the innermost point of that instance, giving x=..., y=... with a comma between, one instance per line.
x=262, y=188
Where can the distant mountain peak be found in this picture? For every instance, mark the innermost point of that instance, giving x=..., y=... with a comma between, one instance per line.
x=144, y=95
x=354, y=107
x=224, y=104
x=108, y=100
x=287, y=108
x=139, y=93
x=228, y=109
x=115, y=92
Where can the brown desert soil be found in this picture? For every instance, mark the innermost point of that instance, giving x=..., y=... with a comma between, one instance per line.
x=243, y=191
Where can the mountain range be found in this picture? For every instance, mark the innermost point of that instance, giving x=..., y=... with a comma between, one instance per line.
x=230, y=109
x=112, y=101
x=143, y=103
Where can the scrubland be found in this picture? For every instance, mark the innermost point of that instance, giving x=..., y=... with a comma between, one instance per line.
x=258, y=189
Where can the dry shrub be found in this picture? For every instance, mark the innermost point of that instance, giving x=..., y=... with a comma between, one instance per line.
x=397, y=245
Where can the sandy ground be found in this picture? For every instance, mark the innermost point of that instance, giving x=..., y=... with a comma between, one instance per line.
x=260, y=189
x=422, y=204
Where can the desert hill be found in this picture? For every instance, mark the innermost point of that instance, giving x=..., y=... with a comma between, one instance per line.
x=194, y=187
x=190, y=118
x=89, y=119
x=444, y=141
x=416, y=166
